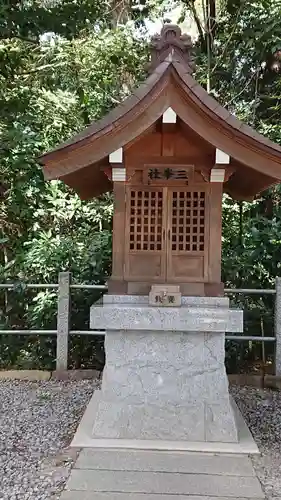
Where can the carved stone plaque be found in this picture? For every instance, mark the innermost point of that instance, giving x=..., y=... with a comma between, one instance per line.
x=165, y=296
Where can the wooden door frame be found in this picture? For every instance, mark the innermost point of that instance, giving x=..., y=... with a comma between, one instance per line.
x=191, y=188
x=166, y=240
x=128, y=251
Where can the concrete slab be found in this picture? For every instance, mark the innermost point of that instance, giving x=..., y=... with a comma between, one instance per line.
x=164, y=483
x=84, y=495
x=153, y=461
x=118, y=317
x=185, y=300
x=30, y=375
x=83, y=437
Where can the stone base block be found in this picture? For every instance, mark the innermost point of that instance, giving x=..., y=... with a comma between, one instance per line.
x=84, y=438
x=165, y=385
x=200, y=422
x=116, y=420
x=161, y=382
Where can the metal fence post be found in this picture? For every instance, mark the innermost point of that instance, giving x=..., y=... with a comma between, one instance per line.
x=63, y=320
x=277, y=327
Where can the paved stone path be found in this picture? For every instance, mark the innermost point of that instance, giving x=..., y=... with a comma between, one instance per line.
x=101, y=474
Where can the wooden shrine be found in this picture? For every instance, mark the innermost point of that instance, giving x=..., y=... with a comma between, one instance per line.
x=168, y=153
x=166, y=209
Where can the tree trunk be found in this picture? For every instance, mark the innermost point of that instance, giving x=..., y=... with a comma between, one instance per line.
x=241, y=229
x=212, y=16
x=120, y=12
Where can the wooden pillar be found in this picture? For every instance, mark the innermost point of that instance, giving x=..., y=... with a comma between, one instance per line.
x=215, y=232
x=118, y=238
x=118, y=176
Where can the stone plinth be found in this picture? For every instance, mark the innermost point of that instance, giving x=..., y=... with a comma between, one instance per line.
x=165, y=376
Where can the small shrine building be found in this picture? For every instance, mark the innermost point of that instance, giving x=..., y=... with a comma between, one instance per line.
x=168, y=153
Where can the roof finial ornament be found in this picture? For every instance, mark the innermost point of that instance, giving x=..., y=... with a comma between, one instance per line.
x=171, y=42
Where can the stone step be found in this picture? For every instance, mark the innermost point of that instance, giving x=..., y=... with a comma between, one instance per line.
x=83, y=495
x=162, y=483
x=153, y=461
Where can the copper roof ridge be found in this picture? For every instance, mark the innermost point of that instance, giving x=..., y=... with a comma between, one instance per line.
x=220, y=111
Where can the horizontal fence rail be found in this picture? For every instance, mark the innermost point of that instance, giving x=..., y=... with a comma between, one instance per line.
x=250, y=291
x=64, y=287
x=254, y=338
x=10, y=286
x=13, y=286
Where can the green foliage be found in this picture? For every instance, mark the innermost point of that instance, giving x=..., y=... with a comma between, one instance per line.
x=28, y=20
x=65, y=63
x=62, y=64
x=56, y=89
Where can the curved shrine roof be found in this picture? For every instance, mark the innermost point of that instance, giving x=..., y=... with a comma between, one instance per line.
x=79, y=161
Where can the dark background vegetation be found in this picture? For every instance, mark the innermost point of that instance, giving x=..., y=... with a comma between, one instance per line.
x=65, y=63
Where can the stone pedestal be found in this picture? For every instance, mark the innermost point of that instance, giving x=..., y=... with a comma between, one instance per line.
x=165, y=377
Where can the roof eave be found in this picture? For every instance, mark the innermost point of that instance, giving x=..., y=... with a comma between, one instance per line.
x=109, y=121
x=250, y=143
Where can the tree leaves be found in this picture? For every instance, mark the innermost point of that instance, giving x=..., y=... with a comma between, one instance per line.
x=49, y=90
x=63, y=64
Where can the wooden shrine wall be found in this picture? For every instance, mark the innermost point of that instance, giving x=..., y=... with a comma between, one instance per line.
x=170, y=215
x=167, y=232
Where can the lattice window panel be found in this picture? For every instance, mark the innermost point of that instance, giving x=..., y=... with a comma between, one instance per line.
x=188, y=221
x=146, y=219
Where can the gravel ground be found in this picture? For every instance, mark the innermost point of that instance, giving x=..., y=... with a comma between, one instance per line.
x=38, y=420
x=262, y=412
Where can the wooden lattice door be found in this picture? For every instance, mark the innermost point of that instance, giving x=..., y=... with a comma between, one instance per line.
x=166, y=234
x=145, y=234
x=187, y=251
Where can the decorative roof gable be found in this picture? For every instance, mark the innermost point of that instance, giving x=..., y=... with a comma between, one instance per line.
x=80, y=161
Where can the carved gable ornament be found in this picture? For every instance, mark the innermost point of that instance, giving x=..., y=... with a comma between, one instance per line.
x=171, y=41
x=169, y=102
